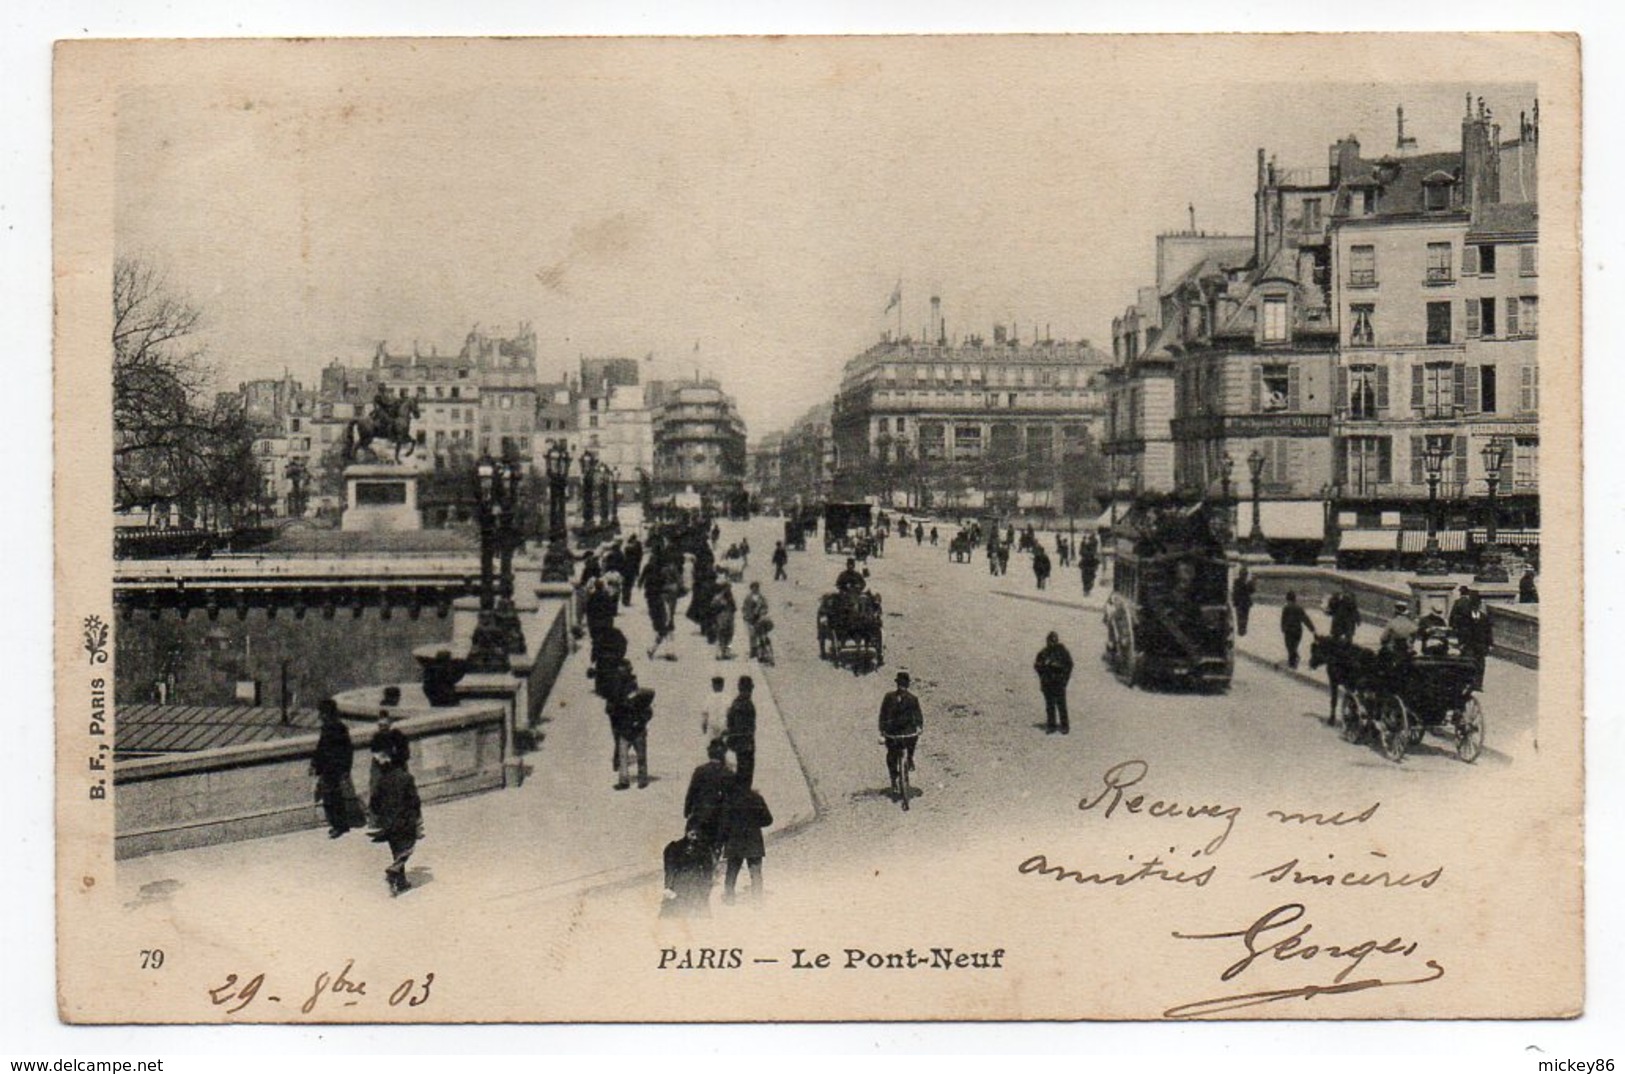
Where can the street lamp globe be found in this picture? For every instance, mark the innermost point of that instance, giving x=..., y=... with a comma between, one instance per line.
x=485, y=472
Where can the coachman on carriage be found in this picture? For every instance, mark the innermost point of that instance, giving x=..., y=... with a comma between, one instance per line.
x=1394, y=697
x=850, y=623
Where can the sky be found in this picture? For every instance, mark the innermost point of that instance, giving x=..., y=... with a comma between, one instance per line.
x=739, y=208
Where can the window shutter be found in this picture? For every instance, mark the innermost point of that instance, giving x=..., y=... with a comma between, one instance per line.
x=1469, y=260
x=1507, y=464
x=1461, y=465
x=1382, y=387
x=1526, y=260
x=1472, y=318
x=1342, y=388
x=1283, y=465
x=1340, y=460
x=1473, y=375
x=1294, y=389
x=1418, y=472
x=1512, y=316
x=1385, y=460
x=1460, y=373
x=1258, y=389
x=1526, y=388
x=1416, y=386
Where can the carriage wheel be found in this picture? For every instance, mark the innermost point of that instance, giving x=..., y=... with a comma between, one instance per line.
x=1352, y=717
x=1470, y=731
x=1393, y=729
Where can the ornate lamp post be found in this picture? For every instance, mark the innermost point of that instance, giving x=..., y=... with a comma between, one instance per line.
x=1490, y=567
x=1434, y=453
x=1330, y=494
x=487, y=651
x=615, y=497
x=605, y=483
x=589, y=470
x=1255, y=536
x=1226, y=466
x=556, y=564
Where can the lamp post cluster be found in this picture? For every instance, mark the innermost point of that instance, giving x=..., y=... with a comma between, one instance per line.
x=497, y=632
x=557, y=566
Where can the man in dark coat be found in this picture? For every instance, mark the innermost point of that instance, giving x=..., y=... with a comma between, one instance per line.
x=851, y=580
x=689, y=872
x=331, y=765
x=629, y=716
x=1041, y=565
x=390, y=742
x=397, y=815
x=1054, y=667
x=741, y=733
x=600, y=615
x=744, y=815
x=1345, y=613
x=780, y=558
x=632, y=559
x=919, y=533
x=1241, y=597
x=1294, y=621
x=708, y=791
x=901, y=722
x=1470, y=623
x=1527, y=593
x=1088, y=565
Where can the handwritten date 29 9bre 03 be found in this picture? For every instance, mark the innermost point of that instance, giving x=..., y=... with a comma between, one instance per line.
x=327, y=992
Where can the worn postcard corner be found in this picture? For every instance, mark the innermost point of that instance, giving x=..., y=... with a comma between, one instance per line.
x=1038, y=527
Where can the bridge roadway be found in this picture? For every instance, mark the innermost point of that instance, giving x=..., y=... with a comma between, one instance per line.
x=994, y=790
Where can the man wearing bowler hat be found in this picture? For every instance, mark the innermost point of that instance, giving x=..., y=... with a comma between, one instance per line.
x=901, y=722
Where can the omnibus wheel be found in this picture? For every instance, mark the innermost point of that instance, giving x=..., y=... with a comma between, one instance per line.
x=1470, y=731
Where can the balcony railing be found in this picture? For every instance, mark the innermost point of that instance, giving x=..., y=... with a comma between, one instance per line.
x=1362, y=277
x=1438, y=275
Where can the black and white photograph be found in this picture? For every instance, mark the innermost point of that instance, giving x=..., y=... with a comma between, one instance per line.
x=819, y=529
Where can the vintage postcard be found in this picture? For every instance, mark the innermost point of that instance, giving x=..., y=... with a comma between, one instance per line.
x=818, y=529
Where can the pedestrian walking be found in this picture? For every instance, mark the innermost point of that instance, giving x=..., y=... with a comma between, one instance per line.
x=993, y=557
x=1241, y=597
x=334, y=757
x=690, y=870
x=397, y=816
x=723, y=611
x=780, y=558
x=709, y=789
x=1004, y=558
x=754, y=612
x=1041, y=565
x=390, y=742
x=714, y=716
x=919, y=534
x=629, y=717
x=1054, y=667
x=1294, y=621
x=1344, y=610
x=744, y=815
x=633, y=559
x=741, y=730
x=933, y=536
x=1088, y=565
x=654, y=595
x=1527, y=593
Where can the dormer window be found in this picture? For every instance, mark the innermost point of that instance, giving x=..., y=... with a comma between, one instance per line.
x=1436, y=192
x=1274, y=320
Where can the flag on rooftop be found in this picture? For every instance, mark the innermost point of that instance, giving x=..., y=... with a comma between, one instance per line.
x=896, y=297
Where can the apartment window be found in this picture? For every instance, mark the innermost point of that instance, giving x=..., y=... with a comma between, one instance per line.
x=592, y=421
x=1364, y=202
x=1365, y=396
x=900, y=424
x=1275, y=319
x=1486, y=389
x=1311, y=214
x=439, y=391
x=1275, y=388
x=883, y=426
x=456, y=392
x=1436, y=197
x=1438, y=388
x=1486, y=260
x=1526, y=260
x=1480, y=318
x=967, y=441
x=1525, y=462
x=932, y=440
x=1439, y=262
x=1361, y=333
x=1438, y=327
x=1527, y=322
x=1455, y=449
x=1529, y=388
x=1362, y=266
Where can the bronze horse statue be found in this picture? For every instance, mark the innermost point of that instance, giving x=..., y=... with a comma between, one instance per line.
x=390, y=421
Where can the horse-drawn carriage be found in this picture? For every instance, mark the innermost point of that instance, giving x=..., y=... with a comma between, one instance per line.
x=851, y=628
x=961, y=547
x=844, y=523
x=1168, y=615
x=1395, y=699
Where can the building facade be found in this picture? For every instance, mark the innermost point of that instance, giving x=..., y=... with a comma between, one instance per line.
x=966, y=424
x=699, y=441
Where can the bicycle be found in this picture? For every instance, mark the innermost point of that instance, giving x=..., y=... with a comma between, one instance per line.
x=904, y=745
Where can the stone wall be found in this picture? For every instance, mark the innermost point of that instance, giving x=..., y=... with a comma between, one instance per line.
x=196, y=799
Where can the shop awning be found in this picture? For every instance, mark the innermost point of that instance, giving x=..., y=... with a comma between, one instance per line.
x=1368, y=540
x=1284, y=520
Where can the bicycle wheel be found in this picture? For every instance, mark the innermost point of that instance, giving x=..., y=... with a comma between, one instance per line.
x=902, y=781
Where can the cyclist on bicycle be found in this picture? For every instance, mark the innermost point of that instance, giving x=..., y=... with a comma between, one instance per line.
x=901, y=722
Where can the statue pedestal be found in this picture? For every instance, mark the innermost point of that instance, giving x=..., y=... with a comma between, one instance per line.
x=380, y=499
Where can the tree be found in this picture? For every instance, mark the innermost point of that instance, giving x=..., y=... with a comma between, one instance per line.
x=167, y=448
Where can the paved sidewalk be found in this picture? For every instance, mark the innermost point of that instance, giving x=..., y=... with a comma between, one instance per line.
x=565, y=830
